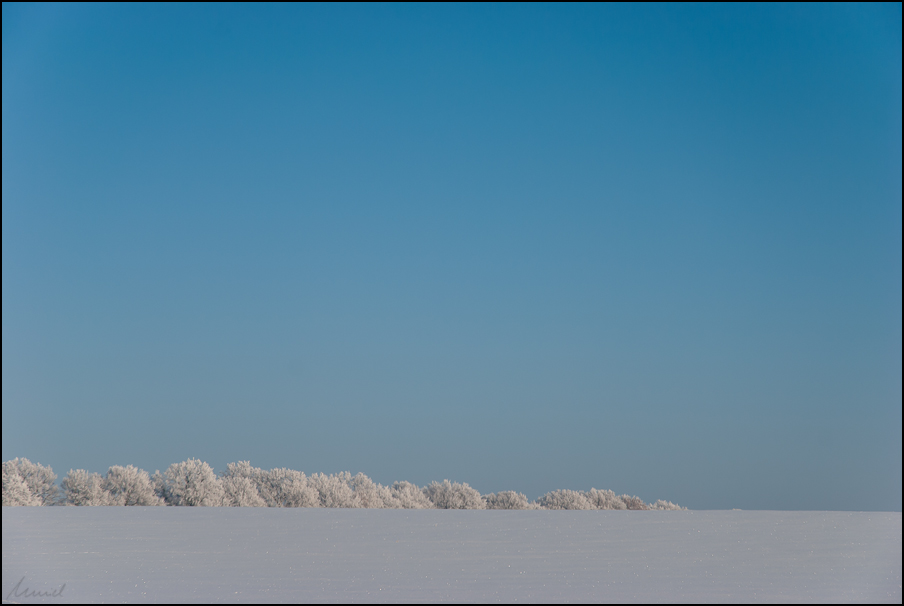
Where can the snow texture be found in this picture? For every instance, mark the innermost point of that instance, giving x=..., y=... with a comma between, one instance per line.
x=276, y=554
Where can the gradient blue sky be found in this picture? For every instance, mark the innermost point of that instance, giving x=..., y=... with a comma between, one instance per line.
x=650, y=248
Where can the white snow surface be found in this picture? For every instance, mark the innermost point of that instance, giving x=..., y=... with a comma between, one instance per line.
x=199, y=554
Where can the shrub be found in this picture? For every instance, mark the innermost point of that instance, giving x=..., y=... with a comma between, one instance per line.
x=240, y=485
x=409, y=496
x=242, y=469
x=452, y=495
x=507, y=499
x=370, y=495
x=635, y=503
x=129, y=486
x=241, y=492
x=84, y=489
x=661, y=505
x=282, y=487
x=40, y=488
x=604, y=499
x=564, y=499
x=334, y=490
x=158, y=481
x=192, y=483
x=15, y=491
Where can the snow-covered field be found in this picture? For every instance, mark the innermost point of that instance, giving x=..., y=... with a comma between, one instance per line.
x=195, y=554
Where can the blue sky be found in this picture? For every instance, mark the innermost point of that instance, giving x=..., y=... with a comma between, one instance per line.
x=650, y=248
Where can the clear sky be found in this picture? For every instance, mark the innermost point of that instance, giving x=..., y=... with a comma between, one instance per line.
x=649, y=248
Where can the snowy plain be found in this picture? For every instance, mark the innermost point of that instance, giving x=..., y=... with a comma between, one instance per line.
x=199, y=554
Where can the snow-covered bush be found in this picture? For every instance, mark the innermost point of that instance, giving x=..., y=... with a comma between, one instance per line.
x=507, y=499
x=661, y=505
x=192, y=483
x=604, y=499
x=370, y=495
x=334, y=490
x=158, y=481
x=283, y=487
x=130, y=486
x=409, y=496
x=241, y=492
x=85, y=489
x=240, y=485
x=40, y=488
x=634, y=502
x=564, y=499
x=453, y=495
x=15, y=492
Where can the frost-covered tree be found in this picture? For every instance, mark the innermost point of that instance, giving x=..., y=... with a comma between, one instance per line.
x=604, y=499
x=85, y=489
x=409, y=496
x=334, y=490
x=453, y=495
x=241, y=492
x=242, y=469
x=507, y=499
x=240, y=485
x=282, y=487
x=158, y=481
x=192, y=483
x=130, y=486
x=661, y=505
x=564, y=499
x=635, y=503
x=15, y=491
x=371, y=495
x=270, y=484
x=39, y=481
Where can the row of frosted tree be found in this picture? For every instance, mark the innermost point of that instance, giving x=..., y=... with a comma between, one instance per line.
x=194, y=483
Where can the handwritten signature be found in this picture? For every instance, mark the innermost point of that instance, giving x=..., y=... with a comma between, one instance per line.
x=17, y=592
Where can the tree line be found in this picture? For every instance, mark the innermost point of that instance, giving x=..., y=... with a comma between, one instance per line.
x=194, y=483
